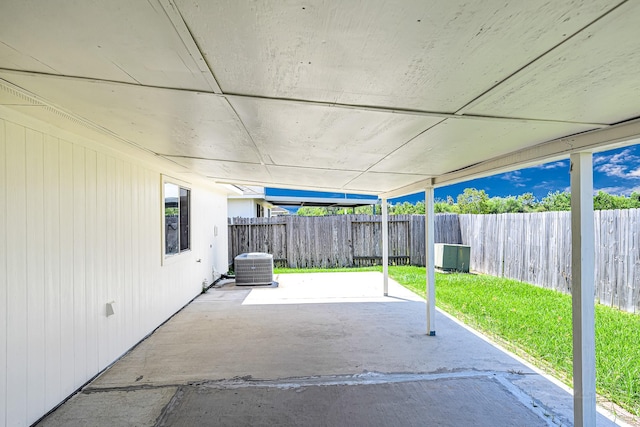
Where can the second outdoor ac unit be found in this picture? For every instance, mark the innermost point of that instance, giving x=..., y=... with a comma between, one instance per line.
x=451, y=257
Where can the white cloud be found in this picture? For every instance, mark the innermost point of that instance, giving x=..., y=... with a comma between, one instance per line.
x=617, y=191
x=613, y=158
x=515, y=178
x=622, y=156
x=611, y=169
x=599, y=159
x=610, y=190
x=554, y=165
x=543, y=184
x=617, y=164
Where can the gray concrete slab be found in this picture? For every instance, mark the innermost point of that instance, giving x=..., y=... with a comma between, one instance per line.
x=124, y=408
x=476, y=401
x=323, y=349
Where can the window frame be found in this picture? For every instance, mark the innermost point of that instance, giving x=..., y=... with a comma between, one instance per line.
x=180, y=186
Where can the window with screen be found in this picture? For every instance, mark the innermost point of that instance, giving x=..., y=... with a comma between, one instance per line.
x=177, y=204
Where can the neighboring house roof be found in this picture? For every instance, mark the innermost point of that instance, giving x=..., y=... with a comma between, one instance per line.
x=297, y=198
x=247, y=192
x=278, y=211
x=254, y=193
x=319, y=201
x=171, y=201
x=382, y=98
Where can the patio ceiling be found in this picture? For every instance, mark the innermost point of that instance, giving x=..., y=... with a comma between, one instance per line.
x=375, y=97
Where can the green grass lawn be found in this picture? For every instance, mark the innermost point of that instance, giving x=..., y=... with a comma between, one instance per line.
x=280, y=270
x=536, y=324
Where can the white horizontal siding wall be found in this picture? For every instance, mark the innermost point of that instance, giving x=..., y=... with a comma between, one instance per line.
x=79, y=227
x=244, y=208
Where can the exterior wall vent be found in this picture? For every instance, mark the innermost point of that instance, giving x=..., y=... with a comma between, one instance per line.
x=255, y=268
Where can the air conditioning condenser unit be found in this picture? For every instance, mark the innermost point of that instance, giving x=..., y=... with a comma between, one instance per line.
x=254, y=268
x=449, y=257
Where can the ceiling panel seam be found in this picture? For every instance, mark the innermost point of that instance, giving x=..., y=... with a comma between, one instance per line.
x=125, y=72
x=190, y=43
x=319, y=168
x=256, y=147
x=403, y=111
x=480, y=98
x=395, y=150
x=177, y=156
x=357, y=107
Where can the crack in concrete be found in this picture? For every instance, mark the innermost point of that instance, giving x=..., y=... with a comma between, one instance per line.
x=535, y=405
x=365, y=378
x=92, y=390
x=169, y=407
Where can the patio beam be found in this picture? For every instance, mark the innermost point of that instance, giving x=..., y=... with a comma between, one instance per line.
x=429, y=230
x=582, y=290
x=385, y=246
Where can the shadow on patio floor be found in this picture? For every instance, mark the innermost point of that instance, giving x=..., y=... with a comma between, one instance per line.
x=321, y=349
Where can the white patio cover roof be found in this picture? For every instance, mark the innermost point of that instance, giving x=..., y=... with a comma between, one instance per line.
x=375, y=97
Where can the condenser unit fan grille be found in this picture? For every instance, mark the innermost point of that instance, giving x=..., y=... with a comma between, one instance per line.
x=254, y=268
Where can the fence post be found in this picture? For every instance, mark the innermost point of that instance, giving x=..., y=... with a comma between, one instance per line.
x=385, y=247
x=350, y=239
x=291, y=260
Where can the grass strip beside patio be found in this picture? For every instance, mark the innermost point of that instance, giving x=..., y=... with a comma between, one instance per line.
x=535, y=323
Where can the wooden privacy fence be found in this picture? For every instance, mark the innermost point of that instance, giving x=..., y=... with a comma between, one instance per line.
x=337, y=241
x=536, y=248
x=533, y=248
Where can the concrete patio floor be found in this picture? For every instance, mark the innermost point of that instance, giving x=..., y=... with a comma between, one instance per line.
x=319, y=350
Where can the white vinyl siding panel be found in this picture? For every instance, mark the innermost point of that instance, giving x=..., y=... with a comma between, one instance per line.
x=91, y=308
x=16, y=276
x=52, y=295
x=35, y=276
x=102, y=267
x=111, y=276
x=80, y=227
x=3, y=275
x=79, y=251
x=134, y=276
x=65, y=249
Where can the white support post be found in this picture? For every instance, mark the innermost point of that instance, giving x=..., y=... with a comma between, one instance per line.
x=385, y=246
x=582, y=290
x=429, y=230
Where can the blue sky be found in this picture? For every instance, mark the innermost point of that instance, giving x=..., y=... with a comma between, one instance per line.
x=615, y=172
